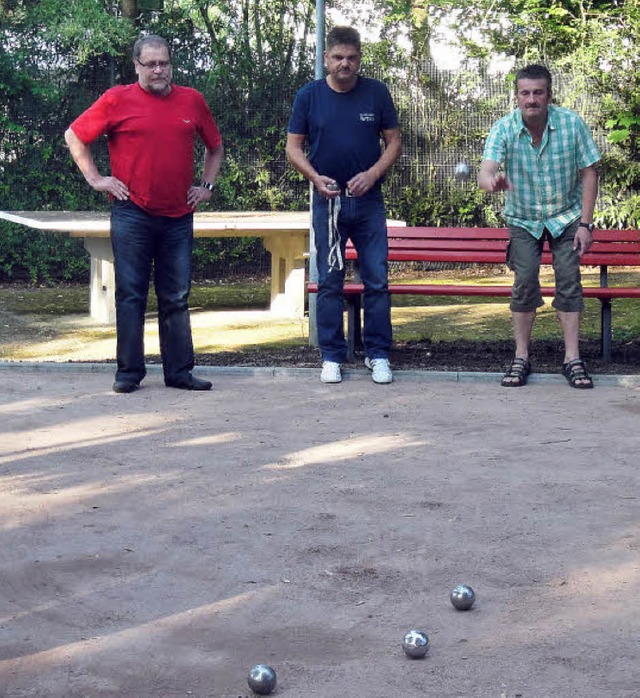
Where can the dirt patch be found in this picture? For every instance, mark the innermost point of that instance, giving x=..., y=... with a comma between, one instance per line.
x=459, y=355
x=159, y=544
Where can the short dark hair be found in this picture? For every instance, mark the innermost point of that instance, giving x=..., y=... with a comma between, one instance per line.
x=534, y=71
x=343, y=35
x=150, y=40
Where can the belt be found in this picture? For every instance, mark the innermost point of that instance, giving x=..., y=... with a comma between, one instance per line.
x=343, y=192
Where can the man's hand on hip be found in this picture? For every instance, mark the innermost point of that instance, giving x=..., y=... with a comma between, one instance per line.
x=113, y=186
x=198, y=195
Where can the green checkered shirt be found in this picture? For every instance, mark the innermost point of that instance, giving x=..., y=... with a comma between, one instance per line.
x=546, y=189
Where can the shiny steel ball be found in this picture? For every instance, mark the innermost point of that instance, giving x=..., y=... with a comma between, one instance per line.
x=462, y=597
x=333, y=186
x=415, y=644
x=462, y=171
x=262, y=679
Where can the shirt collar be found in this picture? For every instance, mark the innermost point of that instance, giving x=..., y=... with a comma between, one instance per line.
x=551, y=119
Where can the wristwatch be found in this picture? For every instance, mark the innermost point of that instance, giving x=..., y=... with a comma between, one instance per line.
x=589, y=226
x=206, y=185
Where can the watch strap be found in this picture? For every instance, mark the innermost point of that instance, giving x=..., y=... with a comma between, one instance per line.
x=206, y=185
x=589, y=226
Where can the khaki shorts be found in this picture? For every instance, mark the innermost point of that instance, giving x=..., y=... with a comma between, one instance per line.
x=524, y=253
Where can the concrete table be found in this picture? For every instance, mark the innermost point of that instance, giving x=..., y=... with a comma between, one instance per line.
x=284, y=234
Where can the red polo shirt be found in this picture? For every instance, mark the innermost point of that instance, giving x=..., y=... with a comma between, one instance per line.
x=151, y=141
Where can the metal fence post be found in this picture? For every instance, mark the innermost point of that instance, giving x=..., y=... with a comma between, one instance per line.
x=313, y=267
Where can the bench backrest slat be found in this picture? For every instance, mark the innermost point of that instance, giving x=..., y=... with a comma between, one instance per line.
x=496, y=234
x=488, y=246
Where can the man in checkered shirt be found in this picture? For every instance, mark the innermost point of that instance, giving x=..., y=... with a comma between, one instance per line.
x=543, y=157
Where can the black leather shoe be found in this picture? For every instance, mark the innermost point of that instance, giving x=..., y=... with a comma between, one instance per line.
x=191, y=383
x=125, y=386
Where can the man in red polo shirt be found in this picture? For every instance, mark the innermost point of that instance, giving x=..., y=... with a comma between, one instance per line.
x=151, y=126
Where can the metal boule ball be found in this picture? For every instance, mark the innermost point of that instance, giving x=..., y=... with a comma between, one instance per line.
x=462, y=171
x=262, y=679
x=333, y=186
x=415, y=644
x=462, y=597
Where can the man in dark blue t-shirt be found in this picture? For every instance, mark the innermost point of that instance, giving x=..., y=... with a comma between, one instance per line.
x=344, y=118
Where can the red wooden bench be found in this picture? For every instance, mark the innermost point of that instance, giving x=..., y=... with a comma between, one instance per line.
x=611, y=248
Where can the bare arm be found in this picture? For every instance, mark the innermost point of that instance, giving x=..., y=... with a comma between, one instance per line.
x=583, y=238
x=296, y=156
x=589, y=192
x=363, y=181
x=212, y=164
x=489, y=179
x=81, y=154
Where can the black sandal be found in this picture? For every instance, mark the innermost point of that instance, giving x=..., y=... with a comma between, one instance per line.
x=517, y=374
x=576, y=374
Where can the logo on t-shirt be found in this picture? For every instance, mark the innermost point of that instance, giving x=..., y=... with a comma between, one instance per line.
x=367, y=116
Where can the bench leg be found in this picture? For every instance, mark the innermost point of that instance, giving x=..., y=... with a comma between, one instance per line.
x=103, y=280
x=287, y=273
x=605, y=329
x=354, y=326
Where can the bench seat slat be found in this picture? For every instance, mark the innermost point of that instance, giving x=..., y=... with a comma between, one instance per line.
x=608, y=293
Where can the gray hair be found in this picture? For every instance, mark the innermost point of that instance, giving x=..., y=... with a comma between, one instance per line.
x=150, y=40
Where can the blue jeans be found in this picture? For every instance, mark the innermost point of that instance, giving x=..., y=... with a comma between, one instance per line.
x=363, y=219
x=141, y=241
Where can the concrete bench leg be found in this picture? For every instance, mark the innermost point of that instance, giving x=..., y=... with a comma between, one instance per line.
x=103, y=280
x=287, y=274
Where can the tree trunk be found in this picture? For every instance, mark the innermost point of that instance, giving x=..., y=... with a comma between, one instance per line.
x=130, y=9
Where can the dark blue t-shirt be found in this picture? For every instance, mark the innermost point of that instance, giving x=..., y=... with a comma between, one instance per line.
x=343, y=128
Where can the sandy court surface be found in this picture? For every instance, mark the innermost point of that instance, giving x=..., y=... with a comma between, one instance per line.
x=161, y=543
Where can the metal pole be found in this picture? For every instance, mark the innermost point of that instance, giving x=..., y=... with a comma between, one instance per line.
x=313, y=267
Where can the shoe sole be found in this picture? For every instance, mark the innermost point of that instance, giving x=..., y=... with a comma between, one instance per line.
x=126, y=391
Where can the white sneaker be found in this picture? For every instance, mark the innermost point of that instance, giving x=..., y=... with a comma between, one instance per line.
x=380, y=370
x=331, y=372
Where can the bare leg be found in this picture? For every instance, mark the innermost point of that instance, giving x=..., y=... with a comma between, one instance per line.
x=570, y=323
x=522, y=326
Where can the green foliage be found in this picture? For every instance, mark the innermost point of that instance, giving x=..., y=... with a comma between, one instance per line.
x=624, y=127
x=218, y=258
x=617, y=212
x=87, y=28
x=464, y=205
x=37, y=257
x=249, y=57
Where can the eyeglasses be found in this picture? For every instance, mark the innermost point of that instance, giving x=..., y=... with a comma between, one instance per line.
x=152, y=65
